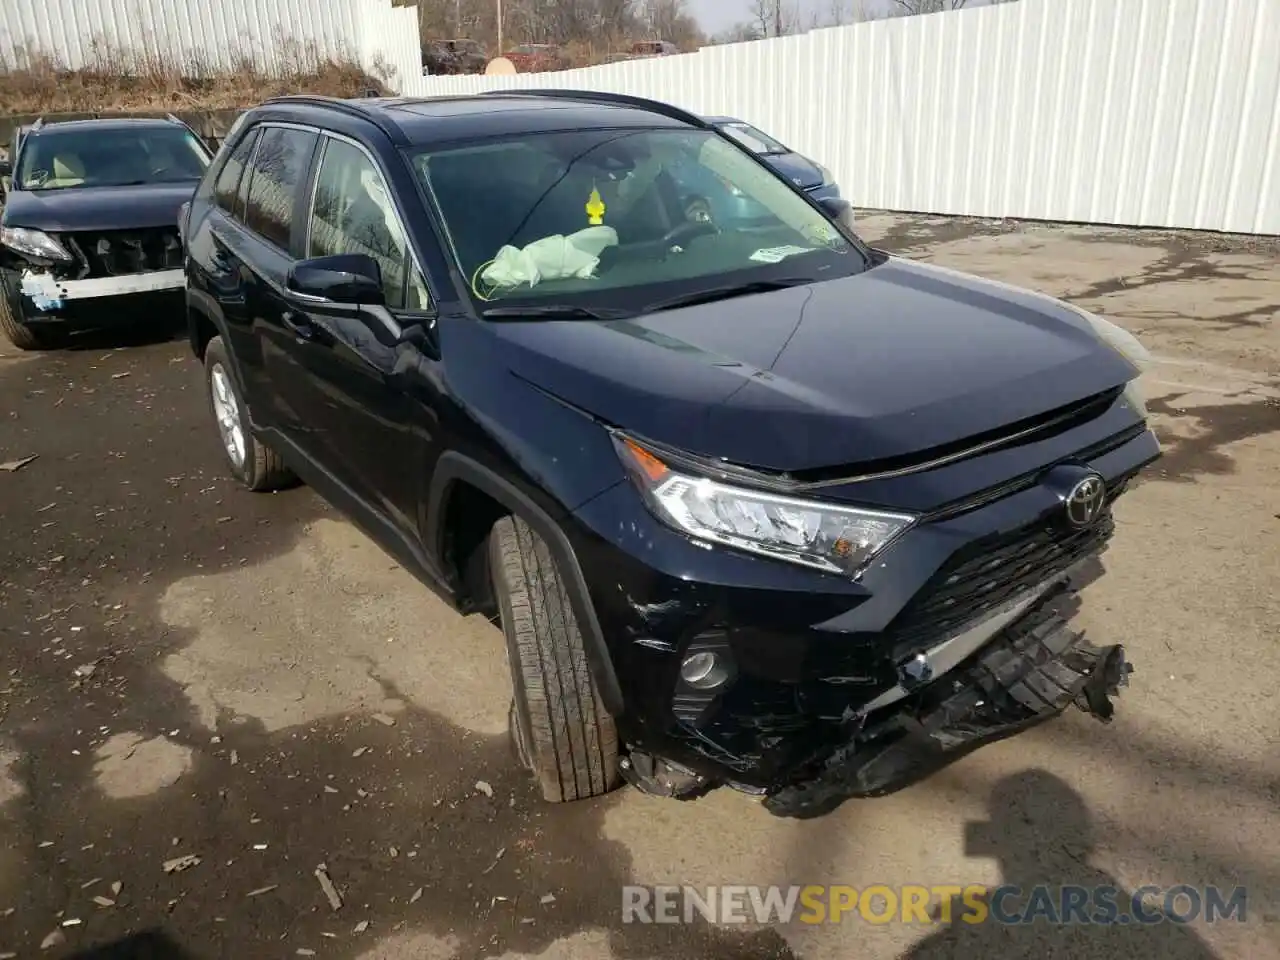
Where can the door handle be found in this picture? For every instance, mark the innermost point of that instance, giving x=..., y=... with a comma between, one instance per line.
x=302, y=328
x=218, y=258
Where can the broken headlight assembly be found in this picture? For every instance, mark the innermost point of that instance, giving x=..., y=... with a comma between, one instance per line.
x=823, y=536
x=33, y=243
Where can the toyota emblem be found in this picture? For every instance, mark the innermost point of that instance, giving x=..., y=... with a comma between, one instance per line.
x=1085, y=502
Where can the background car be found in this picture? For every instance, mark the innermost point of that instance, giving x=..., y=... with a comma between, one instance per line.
x=462, y=55
x=538, y=58
x=90, y=224
x=654, y=48
x=807, y=174
x=722, y=202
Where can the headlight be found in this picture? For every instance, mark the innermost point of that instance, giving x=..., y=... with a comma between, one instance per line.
x=33, y=243
x=824, y=536
x=1133, y=395
x=1128, y=346
x=1119, y=339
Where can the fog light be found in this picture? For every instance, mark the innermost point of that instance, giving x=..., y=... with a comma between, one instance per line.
x=704, y=670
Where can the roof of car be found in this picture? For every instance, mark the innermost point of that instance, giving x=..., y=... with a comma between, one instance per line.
x=100, y=123
x=426, y=120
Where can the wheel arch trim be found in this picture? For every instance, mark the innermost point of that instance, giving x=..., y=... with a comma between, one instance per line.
x=453, y=468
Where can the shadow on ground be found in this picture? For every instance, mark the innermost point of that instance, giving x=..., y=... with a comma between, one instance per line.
x=151, y=945
x=392, y=812
x=1041, y=834
x=1187, y=456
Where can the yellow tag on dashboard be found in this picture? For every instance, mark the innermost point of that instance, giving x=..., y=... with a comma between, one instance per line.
x=595, y=208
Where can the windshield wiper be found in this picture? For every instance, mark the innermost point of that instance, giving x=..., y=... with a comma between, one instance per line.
x=727, y=293
x=553, y=311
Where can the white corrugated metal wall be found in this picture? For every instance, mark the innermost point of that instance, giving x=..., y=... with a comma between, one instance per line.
x=1161, y=113
x=219, y=34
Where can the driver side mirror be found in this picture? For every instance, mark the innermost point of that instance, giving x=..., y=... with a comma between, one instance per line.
x=353, y=279
x=6, y=174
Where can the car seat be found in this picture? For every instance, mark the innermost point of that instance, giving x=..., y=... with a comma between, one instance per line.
x=65, y=170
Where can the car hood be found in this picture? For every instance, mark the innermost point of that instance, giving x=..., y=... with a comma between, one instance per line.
x=889, y=363
x=801, y=171
x=98, y=208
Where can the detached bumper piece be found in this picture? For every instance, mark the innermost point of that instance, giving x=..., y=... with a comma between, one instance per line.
x=1029, y=673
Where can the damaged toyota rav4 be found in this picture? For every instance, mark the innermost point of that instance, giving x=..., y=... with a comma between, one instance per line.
x=755, y=505
x=89, y=232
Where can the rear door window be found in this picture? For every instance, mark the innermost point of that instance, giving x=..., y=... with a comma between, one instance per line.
x=279, y=168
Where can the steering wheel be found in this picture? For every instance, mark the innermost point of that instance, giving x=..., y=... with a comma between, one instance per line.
x=689, y=230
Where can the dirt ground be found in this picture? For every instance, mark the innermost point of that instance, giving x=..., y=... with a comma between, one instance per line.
x=188, y=669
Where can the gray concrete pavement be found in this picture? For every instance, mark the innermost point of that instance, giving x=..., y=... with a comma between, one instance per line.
x=267, y=691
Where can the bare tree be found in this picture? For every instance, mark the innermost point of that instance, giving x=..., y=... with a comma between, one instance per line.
x=775, y=18
x=588, y=28
x=738, y=33
x=911, y=8
x=840, y=12
x=669, y=20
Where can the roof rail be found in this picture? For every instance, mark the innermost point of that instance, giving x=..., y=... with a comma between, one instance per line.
x=172, y=118
x=596, y=96
x=345, y=106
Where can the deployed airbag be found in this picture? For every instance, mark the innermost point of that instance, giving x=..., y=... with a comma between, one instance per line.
x=557, y=257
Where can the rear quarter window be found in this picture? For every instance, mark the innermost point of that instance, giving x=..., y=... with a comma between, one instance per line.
x=223, y=182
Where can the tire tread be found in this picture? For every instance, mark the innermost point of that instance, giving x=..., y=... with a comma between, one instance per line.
x=574, y=743
x=19, y=334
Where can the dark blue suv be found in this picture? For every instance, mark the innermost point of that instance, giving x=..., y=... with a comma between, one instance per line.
x=755, y=504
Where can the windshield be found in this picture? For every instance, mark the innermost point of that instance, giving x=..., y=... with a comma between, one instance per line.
x=753, y=139
x=624, y=218
x=97, y=157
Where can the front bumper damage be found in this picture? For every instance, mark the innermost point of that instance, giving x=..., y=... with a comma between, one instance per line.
x=110, y=276
x=43, y=300
x=44, y=294
x=1030, y=672
x=1031, y=668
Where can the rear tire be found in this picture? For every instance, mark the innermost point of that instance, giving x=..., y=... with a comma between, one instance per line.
x=560, y=729
x=251, y=461
x=18, y=333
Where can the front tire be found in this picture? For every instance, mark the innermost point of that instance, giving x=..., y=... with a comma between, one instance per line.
x=560, y=728
x=252, y=462
x=19, y=333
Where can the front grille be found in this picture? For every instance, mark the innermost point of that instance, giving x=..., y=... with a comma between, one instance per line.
x=114, y=253
x=989, y=573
